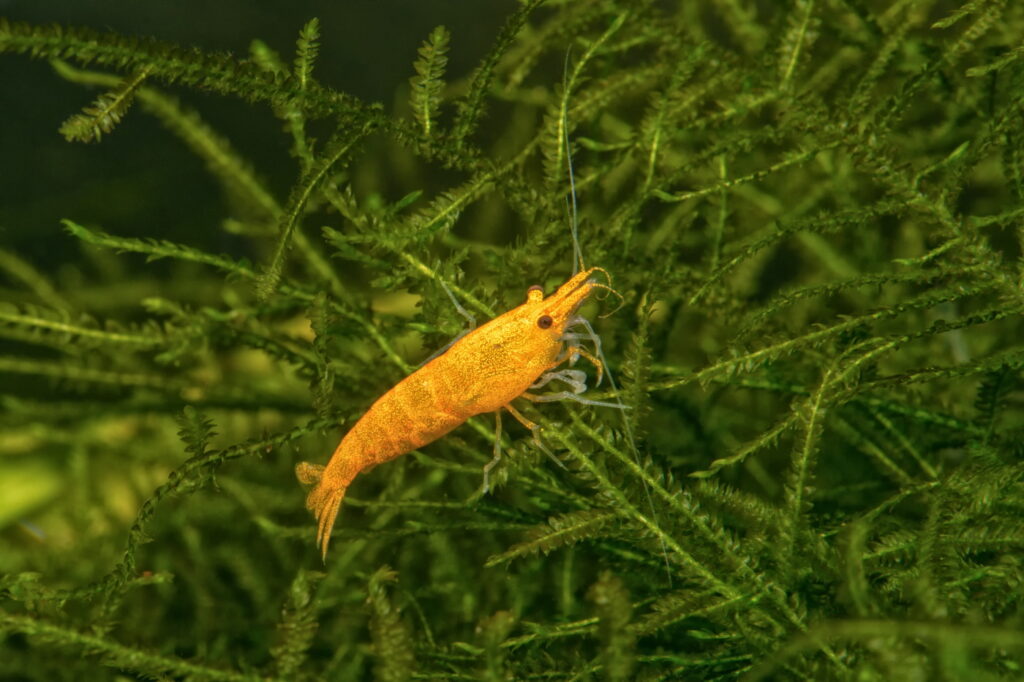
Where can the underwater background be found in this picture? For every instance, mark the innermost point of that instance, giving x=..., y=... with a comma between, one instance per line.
x=225, y=230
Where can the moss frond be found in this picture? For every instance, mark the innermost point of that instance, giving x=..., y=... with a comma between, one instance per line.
x=307, y=48
x=558, y=532
x=471, y=107
x=611, y=601
x=428, y=83
x=104, y=114
x=196, y=430
x=173, y=65
x=392, y=643
x=297, y=627
x=334, y=151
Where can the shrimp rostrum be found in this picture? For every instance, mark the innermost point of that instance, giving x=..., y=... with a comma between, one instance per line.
x=483, y=371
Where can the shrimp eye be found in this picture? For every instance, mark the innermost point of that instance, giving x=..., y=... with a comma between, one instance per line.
x=535, y=293
x=545, y=321
x=535, y=287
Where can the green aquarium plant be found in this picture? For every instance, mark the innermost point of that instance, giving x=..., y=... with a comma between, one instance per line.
x=813, y=212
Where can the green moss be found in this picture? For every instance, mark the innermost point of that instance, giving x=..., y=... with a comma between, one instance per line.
x=812, y=212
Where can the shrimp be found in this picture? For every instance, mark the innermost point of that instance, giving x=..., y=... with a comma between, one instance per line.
x=483, y=371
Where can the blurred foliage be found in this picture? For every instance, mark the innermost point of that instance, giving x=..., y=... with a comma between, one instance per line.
x=813, y=212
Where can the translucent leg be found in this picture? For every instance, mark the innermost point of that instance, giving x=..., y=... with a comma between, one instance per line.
x=568, y=395
x=535, y=429
x=574, y=377
x=485, y=488
x=580, y=321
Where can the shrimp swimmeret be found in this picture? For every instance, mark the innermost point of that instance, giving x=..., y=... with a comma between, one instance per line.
x=484, y=371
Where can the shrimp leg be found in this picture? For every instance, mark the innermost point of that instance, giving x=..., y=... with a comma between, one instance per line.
x=573, y=352
x=580, y=321
x=497, y=454
x=569, y=395
x=575, y=379
x=535, y=429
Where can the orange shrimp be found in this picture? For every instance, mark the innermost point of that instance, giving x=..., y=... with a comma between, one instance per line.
x=481, y=372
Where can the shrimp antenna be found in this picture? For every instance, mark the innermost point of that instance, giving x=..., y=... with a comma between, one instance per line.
x=608, y=287
x=622, y=299
x=574, y=221
x=576, y=267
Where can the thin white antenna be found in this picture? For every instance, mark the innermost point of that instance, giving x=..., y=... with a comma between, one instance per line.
x=576, y=267
x=574, y=221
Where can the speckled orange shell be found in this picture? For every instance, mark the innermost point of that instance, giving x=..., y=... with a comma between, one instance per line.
x=482, y=372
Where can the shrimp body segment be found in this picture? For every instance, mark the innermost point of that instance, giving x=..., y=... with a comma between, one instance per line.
x=482, y=372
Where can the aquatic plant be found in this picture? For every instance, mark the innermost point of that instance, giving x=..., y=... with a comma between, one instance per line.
x=813, y=212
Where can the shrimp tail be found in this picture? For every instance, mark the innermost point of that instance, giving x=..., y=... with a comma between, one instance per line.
x=324, y=500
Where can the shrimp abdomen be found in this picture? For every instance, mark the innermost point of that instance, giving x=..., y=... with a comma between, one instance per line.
x=410, y=415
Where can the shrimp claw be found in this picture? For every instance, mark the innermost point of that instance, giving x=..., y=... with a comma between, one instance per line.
x=574, y=377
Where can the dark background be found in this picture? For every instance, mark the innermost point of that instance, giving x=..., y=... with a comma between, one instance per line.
x=140, y=180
